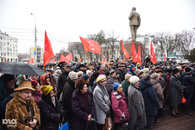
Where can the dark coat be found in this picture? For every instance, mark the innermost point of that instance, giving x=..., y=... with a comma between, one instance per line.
x=81, y=110
x=50, y=114
x=125, y=85
x=122, y=75
x=150, y=98
x=61, y=82
x=176, y=89
x=67, y=91
x=109, y=86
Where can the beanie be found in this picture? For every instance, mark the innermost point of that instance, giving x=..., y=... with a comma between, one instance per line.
x=34, y=83
x=85, y=77
x=134, y=79
x=46, y=89
x=115, y=86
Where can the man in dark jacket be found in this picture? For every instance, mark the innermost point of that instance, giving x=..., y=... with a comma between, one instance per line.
x=62, y=80
x=67, y=91
x=188, y=83
x=121, y=72
x=6, y=90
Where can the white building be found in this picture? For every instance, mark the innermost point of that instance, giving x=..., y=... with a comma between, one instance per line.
x=8, y=48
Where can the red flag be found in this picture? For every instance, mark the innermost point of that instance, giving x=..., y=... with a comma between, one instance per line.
x=103, y=61
x=68, y=58
x=124, y=59
x=48, y=52
x=139, y=59
x=133, y=52
x=124, y=51
x=54, y=59
x=62, y=58
x=119, y=61
x=7, y=60
x=79, y=61
x=165, y=58
x=31, y=61
x=152, y=54
x=90, y=45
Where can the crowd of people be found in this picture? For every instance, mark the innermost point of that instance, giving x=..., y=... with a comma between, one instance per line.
x=97, y=96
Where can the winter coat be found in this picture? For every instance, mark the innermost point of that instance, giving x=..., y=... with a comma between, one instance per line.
x=121, y=74
x=175, y=91
x=50, y=114
x=61, y=82
x=18, y=109
x=150, y=98
x=119, y=106
x=188, y=82
x=5, y=97
x=81, y=110
x=109, y=86
x=37, y=96
x=102, y=103
x=159, y=91
x=125, y=85
x=136, y=107
x=67, y=91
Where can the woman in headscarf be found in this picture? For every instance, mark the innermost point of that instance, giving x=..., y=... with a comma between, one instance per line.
x=23, y=109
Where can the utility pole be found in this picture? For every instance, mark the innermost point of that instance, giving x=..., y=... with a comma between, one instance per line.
x=35, y=48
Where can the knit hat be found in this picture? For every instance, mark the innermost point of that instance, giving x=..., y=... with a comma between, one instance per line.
x=19, y=79
x=85, y=77
x=138, y=72
x=115, y=86
x=25, y=84
x=175, y=70
x=73, y=75
x=127, y=76
x=46, y=89
x=100, y=78
x=145, y=70
x=34, y=83
x=134, y=79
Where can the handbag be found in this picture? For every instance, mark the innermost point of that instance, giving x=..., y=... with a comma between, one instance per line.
x=64, y=126
x=108, y=123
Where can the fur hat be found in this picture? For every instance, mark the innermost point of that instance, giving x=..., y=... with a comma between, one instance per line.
x=100, y=78
x=88, y=71
x=73, y=75
x=127, y=76
x=134, y=79
x=25, y=84
x=46, y=89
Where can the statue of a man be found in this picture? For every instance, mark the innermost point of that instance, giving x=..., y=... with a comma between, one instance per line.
x=135, y=21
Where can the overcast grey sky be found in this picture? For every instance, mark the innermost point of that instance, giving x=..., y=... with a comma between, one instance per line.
x=66, y=20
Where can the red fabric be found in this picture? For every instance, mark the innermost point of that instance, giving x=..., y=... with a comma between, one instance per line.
x=118, y=107
x=139, y=59
x=119, y=61
x=133, y=52
x=7, y=60
x=62, y=58
x=165, y=58
x=124, y=51
x=152, y=54
x=48, y=52
x=69, y=57
x=31, y=61
x=183, y=100
x=124, y=59
x=54, y=60
x=80, y=61
x=103, y=61
x=90, y=45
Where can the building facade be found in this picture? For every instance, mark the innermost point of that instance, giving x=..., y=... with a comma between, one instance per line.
x=39, y=54
x=8, y=48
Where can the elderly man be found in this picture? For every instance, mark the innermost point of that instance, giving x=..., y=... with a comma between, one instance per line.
x=137, y=119
x=135, y=21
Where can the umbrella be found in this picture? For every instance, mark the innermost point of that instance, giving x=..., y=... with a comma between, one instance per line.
x=15, y=68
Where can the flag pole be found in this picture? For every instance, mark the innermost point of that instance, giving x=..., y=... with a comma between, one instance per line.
x=87, y=58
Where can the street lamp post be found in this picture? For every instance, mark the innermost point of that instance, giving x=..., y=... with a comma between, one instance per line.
x=35, y=48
